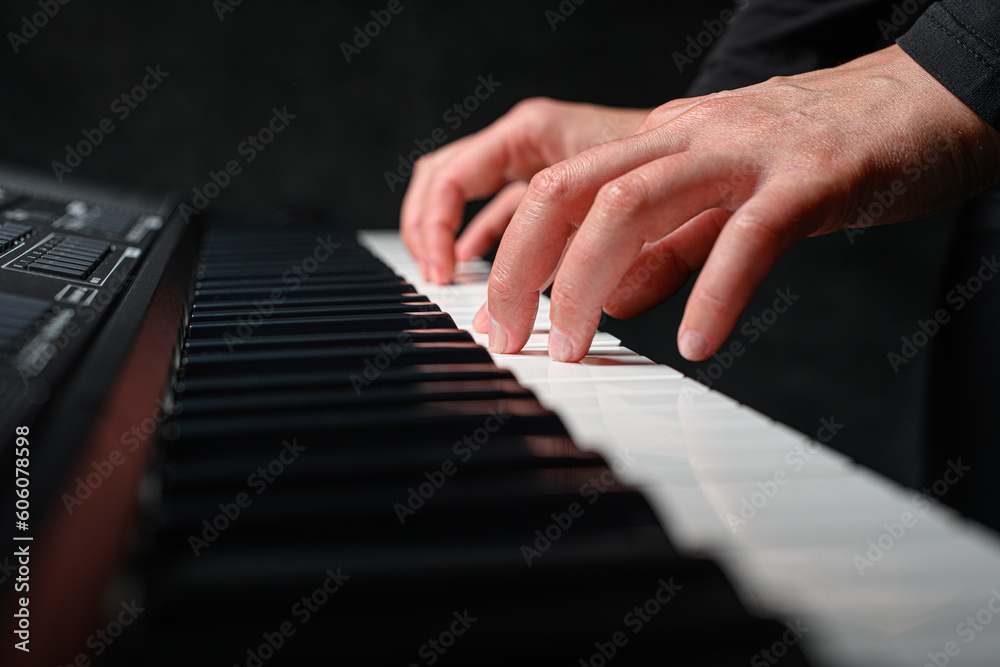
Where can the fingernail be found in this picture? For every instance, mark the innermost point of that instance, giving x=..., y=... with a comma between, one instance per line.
x=693, y=346
x=560, y=347
x=439, y=275
x=498, y=337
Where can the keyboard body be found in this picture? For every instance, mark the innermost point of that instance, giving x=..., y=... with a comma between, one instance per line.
x=275, y=443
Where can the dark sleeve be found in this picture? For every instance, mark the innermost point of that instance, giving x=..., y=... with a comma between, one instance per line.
x=958, y=43
x=783, y=37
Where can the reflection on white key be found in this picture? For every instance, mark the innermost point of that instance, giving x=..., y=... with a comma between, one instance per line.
x=538, y=341
x=530, y=367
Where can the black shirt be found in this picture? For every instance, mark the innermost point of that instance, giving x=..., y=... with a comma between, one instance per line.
x=956, y=41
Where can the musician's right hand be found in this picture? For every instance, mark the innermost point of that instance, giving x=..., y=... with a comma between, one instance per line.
x=535, y=134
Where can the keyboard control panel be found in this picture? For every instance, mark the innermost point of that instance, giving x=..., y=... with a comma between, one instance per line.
x=64, y=260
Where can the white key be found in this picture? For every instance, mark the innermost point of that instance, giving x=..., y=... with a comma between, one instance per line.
x=878, y=575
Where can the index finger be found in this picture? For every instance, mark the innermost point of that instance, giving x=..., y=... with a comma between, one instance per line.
x=556, y=202
x=472, y=167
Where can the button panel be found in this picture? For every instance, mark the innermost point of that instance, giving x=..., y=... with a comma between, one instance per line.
x=12, y=233
x=68, y=257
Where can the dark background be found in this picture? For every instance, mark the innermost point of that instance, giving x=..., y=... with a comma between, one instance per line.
x=825, y=358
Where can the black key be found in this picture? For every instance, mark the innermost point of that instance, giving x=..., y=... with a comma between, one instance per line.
x=387, y=287
x=350, y=339
x=447, y=419
x=263, y=278
x=276, y=310
x=346, y=398
x=336, y=324
x=289, y=298
x=318, y=378
x=359, y=358
x=192, y=468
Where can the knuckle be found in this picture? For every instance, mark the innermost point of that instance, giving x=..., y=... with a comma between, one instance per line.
x=532, y=122
x=625, y=196
x=436, y=225
x=423, y=163
x=716, y=304
x=647, y=124
x=570, y=299
x=499, y=286
x=549, y=184
x=713, y=107
x=665, y=113
x=756, y=228
x=447, y=180
x=447, y=187
x=532, y=108
x=657, y=117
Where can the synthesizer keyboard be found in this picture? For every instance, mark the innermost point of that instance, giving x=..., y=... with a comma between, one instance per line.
x=261, y=445
x=258, y=445
x=880, y=574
